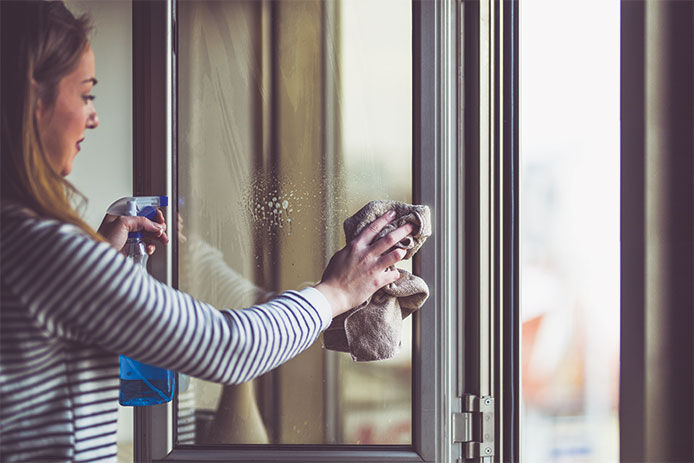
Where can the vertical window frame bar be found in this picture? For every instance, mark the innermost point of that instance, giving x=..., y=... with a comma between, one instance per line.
x=153, y=160
x=510, y=311
x=490, y=159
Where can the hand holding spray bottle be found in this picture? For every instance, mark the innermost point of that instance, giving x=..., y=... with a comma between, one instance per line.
x=141, y=384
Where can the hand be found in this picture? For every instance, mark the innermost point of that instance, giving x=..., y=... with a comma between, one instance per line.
x=361, y=268
x=115, y=229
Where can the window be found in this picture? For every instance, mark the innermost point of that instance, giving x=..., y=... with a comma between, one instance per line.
x=291, y=140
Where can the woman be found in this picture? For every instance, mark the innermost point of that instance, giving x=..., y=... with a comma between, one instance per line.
x=71, y=302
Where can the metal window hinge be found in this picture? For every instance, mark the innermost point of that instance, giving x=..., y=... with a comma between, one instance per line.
x=474, y=427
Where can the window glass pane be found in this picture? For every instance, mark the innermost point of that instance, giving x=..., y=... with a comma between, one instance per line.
x=291, y=116
x=570, y=229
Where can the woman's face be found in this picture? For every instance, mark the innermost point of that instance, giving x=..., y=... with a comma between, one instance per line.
x=62, y=125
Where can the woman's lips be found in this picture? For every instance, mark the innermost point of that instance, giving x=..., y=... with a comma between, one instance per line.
x=78, y=143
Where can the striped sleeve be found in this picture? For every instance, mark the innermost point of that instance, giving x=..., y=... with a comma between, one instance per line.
x=81, y=290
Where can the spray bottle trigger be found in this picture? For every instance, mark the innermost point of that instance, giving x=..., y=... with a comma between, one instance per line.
x=149, y=212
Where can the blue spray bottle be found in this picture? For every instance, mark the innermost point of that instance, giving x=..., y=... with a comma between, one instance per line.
x=141, y=384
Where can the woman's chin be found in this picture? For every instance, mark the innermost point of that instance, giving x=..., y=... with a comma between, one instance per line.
x=67, y=167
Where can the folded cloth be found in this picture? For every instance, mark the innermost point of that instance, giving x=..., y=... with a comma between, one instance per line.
x=372, y=330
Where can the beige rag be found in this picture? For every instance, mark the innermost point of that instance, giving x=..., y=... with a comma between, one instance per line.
x=372, y=330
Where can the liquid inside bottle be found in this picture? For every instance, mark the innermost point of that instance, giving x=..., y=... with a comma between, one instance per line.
x=142, y=384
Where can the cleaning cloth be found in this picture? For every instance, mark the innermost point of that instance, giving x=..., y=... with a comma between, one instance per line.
x=372, y=330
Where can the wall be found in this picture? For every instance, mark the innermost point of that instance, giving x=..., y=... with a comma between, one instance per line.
x=103, y=168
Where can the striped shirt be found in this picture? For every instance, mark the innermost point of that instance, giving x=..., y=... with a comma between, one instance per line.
x=204, y=273
x=70, y=305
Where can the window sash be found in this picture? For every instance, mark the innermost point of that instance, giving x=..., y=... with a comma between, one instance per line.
x=436, y=170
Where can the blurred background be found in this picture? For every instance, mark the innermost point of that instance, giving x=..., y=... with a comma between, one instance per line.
x=569, y=222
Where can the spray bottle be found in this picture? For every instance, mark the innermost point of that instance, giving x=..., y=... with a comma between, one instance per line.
x=141, y=384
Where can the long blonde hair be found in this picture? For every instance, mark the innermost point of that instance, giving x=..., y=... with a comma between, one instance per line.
x=41, y=43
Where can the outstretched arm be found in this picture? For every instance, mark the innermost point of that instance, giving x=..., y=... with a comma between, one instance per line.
x=86, y=291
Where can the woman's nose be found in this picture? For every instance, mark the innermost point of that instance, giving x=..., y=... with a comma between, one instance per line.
x=93, y=120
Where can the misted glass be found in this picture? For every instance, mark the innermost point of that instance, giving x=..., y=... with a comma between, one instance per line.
x=569, y=140
x=291, y=116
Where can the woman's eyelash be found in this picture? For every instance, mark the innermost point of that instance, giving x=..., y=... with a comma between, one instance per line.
x=88, y=97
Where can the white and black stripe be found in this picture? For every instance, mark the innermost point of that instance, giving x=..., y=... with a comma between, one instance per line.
x=71, y=305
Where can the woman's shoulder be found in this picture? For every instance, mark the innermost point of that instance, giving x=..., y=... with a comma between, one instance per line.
x=18, y=221
x=11, y=209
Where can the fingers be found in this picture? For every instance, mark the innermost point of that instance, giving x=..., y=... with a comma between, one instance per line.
x=160, y=218
x=374, y=228
x=388, y=276
x=391, y=276
x=159, y=236
x=153, y=230
x=392, y=238
x=391, y=258
x=150, y=226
